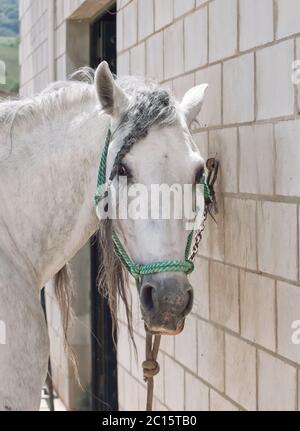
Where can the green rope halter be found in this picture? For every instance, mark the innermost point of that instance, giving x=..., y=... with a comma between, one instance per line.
x=135, y=269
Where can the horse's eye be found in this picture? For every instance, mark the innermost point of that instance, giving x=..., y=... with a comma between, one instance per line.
x=123, y=171
x=199, y=175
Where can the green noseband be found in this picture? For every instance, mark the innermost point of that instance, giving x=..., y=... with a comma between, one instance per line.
x=138, y=270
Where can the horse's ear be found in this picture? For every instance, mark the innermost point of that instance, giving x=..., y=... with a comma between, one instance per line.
x=192, y=102
x=112, y=98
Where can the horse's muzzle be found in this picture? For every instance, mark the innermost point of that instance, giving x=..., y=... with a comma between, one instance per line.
x=165, y=301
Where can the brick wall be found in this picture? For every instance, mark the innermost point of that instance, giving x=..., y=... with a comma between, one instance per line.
x=236, y=352
x=34, y=19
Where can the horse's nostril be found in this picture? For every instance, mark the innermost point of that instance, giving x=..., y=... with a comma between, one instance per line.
x=146, y=297
x=190, y=301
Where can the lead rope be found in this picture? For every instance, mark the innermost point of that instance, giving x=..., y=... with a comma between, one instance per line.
x=150, y=365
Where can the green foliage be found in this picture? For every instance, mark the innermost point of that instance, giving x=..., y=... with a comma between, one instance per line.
x=9, y=18
x=9, y=54
x=9, y=44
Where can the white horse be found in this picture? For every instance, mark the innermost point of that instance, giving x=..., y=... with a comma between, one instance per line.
x=49, y=154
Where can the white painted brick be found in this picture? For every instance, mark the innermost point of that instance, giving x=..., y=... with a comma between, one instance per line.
x=240, y=372
x=173, y=50
x=213, y=240
x=288, y=306
x=67, y=8
x=277, y=239
x=173, y=372
x=142, y=397
x=199, y=279
x=224, y=295
x=163, y=13
x=182, y=7
x=275, y=92
x=167, y=345
x=130, y=24
x=257, y=297
x=123, y=63
x=222, y=29
x=155, y=57
x=210, y=114
x=287, y=136
x=159, y=385
x=195, y=39
x=223, y=146
x=122, y=3
x=201, y=140
x=138, y=60
x=211, y=354
x=298, y=390
x=131, y=402
x=186, y=345
x=137, y=321
x=137, y=359
x=277, y=384
x=61, y=68
x=167, y=85
x=121, y=386
x=158, y=406
x=61, y=43
x=124, y=351
x=238, y=99
x=288, y=12
x=196, y=394
x=182, y=84
x=220, y=404
x=257, y=159
x=240, y=232
x=120, y=32
x=145, y=18
x=256, y=23
x=296, y=71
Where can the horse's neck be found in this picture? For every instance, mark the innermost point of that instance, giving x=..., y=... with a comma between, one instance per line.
x=49, y=190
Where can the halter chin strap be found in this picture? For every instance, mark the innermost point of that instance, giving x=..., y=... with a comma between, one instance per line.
x=138, y=270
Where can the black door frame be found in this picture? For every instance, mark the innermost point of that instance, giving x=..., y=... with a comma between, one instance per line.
x=104, y=385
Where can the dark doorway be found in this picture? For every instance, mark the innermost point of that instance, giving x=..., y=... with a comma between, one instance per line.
x=104, y=40
x=104, y=356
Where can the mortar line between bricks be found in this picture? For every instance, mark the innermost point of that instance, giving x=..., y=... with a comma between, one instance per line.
x=263, y=198
x=219, y=61
x=203, y=381
x=188, y=370
x=141, y=383
x=165, y=27
x=295, y=283
x=251, y=343
x=206, y=383
x=235, y=335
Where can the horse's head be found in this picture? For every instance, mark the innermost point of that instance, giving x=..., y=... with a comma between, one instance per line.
x=151, y=147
